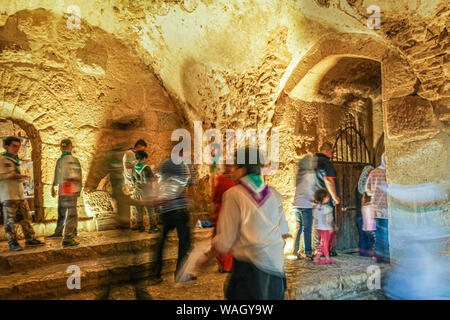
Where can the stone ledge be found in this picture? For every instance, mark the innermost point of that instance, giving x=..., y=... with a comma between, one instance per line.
x=324, y=282
x=92, y=246
x=48, y=281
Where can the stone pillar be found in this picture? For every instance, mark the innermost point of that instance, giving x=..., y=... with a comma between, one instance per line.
x=417, y=147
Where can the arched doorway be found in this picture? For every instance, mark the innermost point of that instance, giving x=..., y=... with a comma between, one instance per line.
x=341, y=89
x=29, y=159
x=350, y=156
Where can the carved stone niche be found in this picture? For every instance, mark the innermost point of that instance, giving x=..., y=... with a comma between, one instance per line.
x=102, y=207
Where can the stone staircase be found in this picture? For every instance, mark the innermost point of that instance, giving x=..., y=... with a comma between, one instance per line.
x=104, y=258
x=117, y=264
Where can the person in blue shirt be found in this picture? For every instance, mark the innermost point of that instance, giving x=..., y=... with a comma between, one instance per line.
x=174, y=180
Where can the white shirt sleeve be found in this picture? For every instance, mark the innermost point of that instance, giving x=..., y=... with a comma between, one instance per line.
x=228, y=224
x=284, y=228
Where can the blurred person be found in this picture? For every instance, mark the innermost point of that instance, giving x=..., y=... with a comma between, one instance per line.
x=326, y=179
x=369, y=224
x=422, y=262
x=365, y=241
x=129, y=161
x=376, y=188
x=217, y=156
x=68, y=181
x=223, y=182
x=175, y=180
x=253, y=225
x=109, y=163
x=142, y=177
x=12, y=197
x=216, y=166
x=324, y=225
x=303, y=203
x=114, y=160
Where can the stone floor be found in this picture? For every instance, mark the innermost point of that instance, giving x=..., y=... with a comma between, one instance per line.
x=347, y=279
x=210, y=285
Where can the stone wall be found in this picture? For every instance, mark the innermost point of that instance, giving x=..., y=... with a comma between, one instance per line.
x=230, y=64
x=85, y=85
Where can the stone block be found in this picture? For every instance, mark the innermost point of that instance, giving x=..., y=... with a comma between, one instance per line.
x=50, y=213
x=150, y=119
x=49, y=201
x=417, y=162
x=48, y=170
x=398, y=80
x=50, y=151
x=442, y=110
x=410, y=117
x=167, y=121
x=125, y=292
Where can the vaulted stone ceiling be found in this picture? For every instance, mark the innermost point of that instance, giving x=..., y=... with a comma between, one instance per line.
x=226, y=62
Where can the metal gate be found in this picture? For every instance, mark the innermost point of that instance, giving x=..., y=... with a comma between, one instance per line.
x=350, y=156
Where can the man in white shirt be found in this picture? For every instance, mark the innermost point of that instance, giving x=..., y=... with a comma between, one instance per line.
x=252, y=224
x=12, y=197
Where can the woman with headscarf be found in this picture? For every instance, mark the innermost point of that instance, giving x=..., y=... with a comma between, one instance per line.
x=364, y=242
x=376, y=188
x=303, y=201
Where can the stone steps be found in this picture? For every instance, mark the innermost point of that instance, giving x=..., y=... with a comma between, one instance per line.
x=41, y=273
x=305, y=282
x=92, y=245
x=113, y=262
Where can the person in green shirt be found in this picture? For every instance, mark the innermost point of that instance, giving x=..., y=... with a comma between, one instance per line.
x=142, y=177
x=12, y=197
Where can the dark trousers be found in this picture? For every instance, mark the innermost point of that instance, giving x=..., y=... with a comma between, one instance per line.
x=174, y=219
x=366, y=241
x=17, y=211
x=249, y=283
x=305, y=218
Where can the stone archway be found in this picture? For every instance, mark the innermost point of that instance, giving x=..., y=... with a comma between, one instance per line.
x=84, y=84
x=398, y=80
x=410, y=123
x=23, y=121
